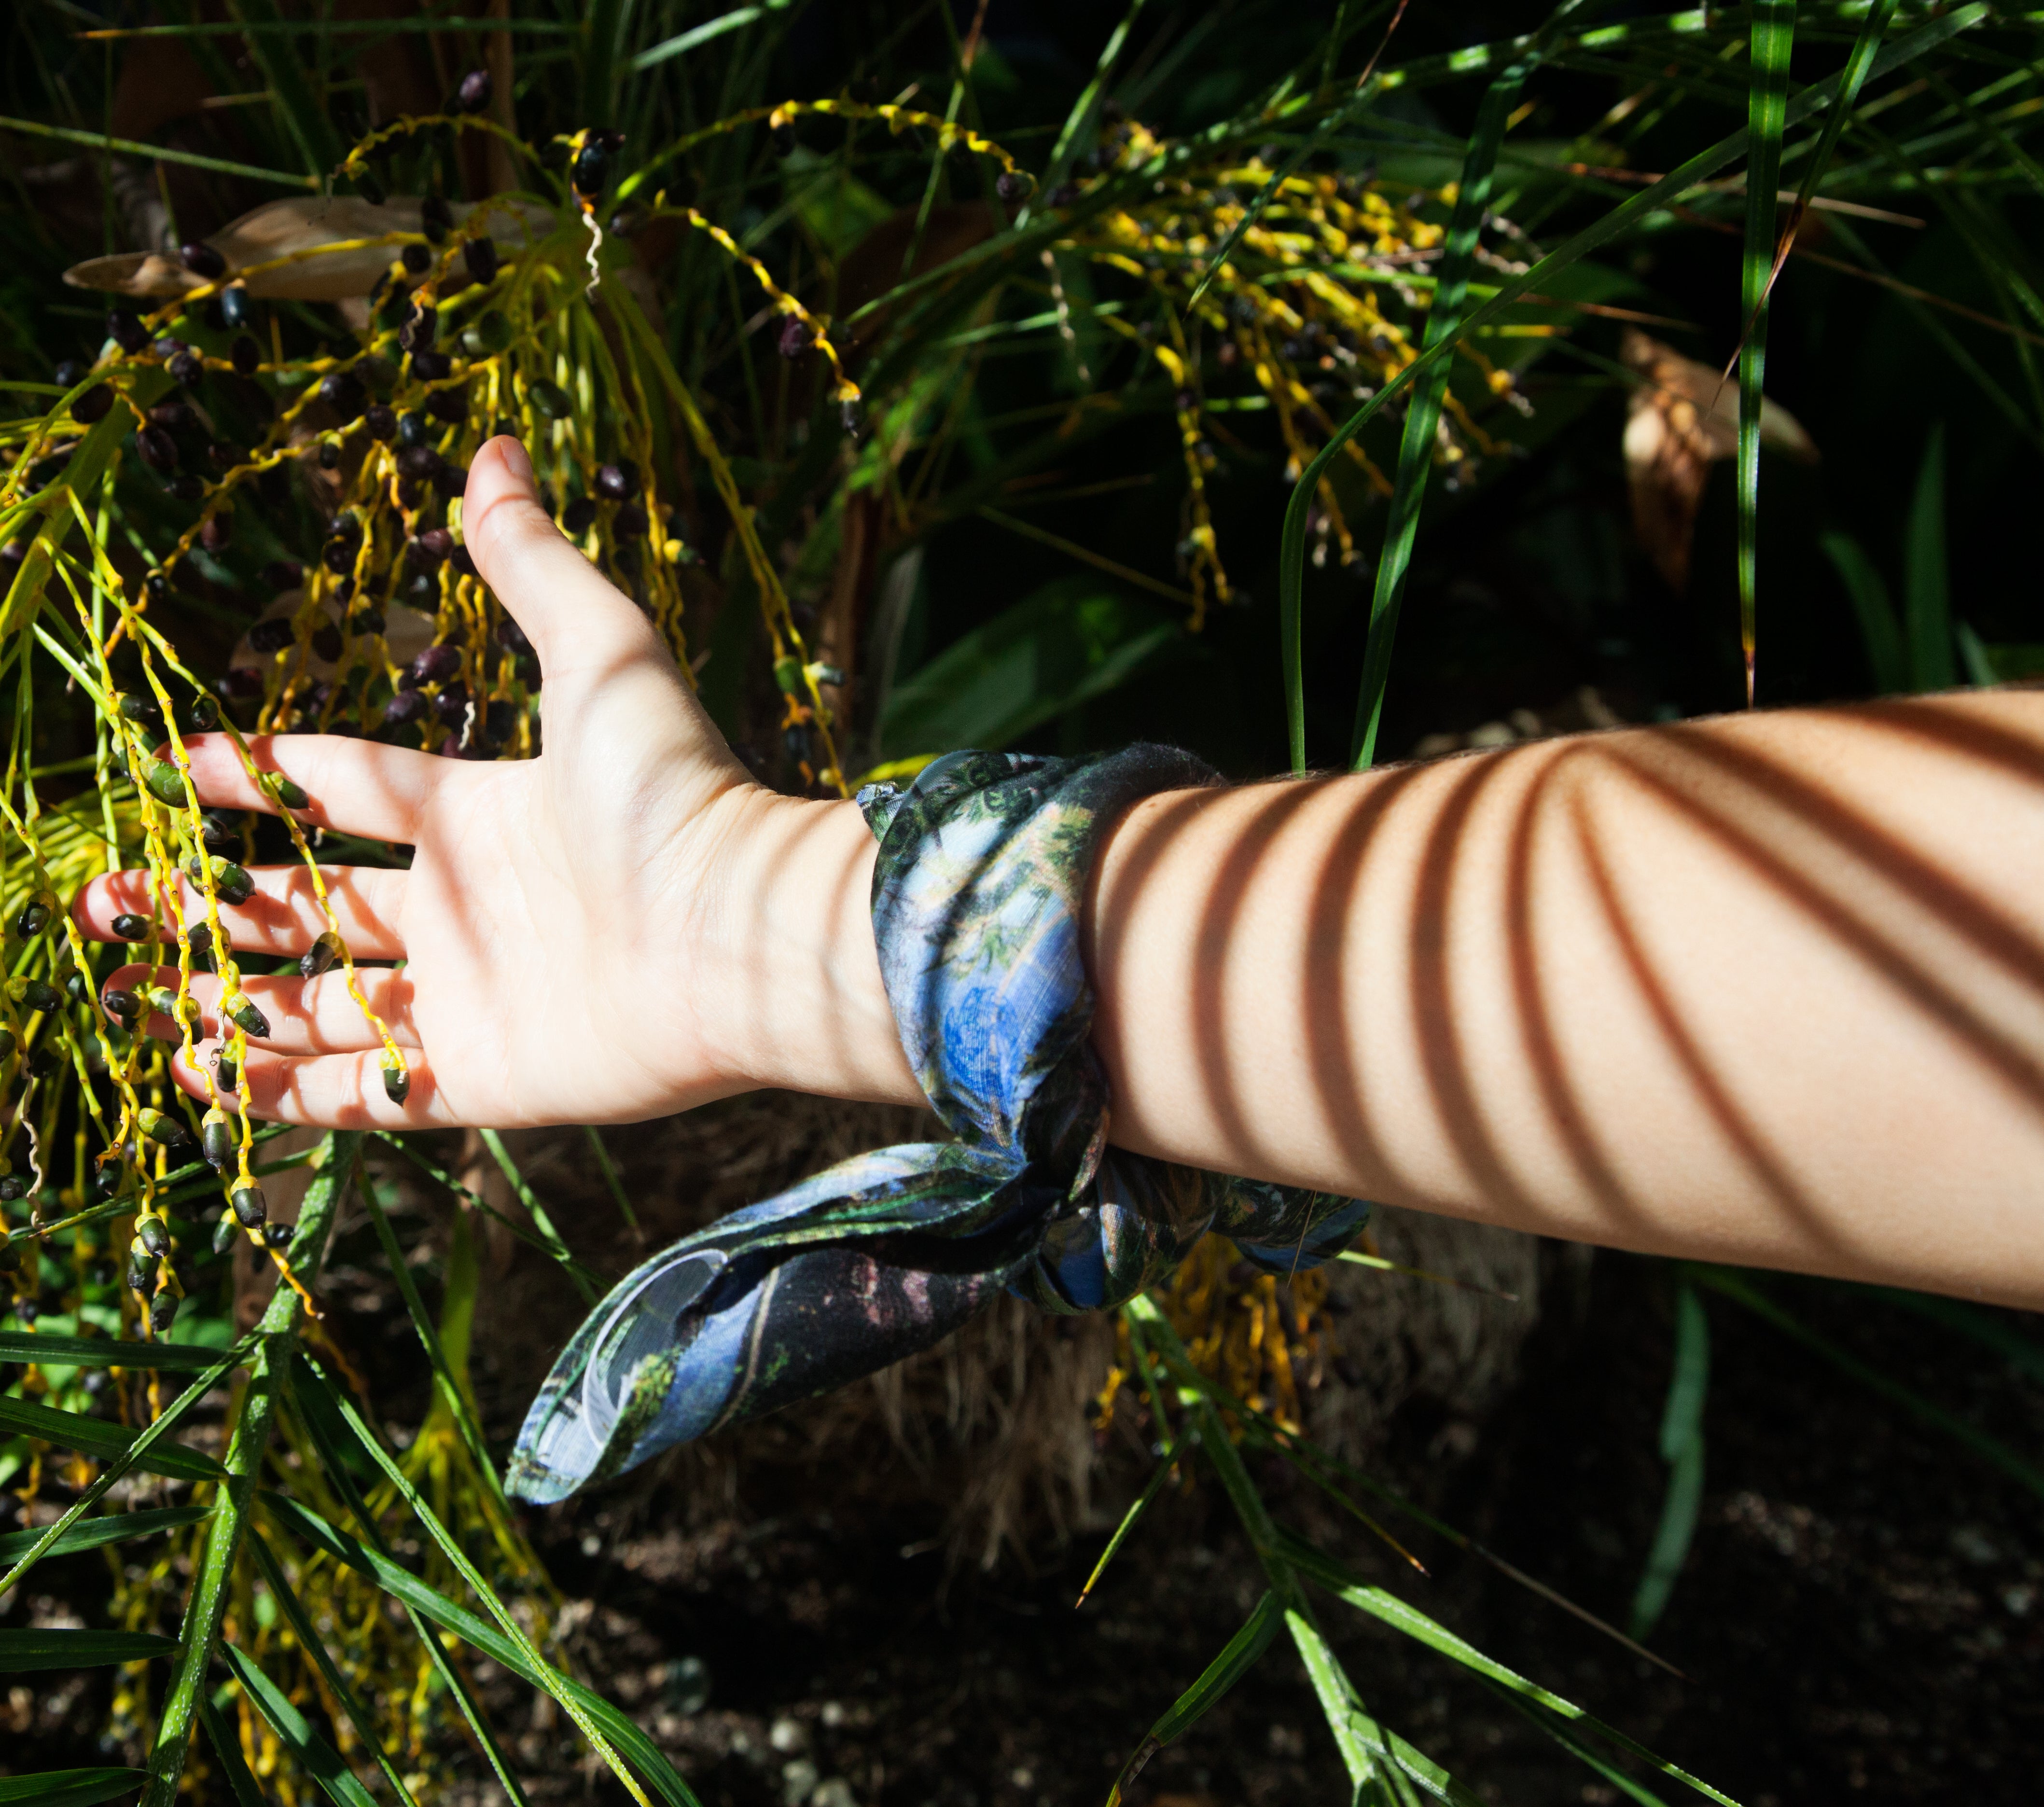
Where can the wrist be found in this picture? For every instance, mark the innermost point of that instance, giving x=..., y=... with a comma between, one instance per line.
x=789, y=991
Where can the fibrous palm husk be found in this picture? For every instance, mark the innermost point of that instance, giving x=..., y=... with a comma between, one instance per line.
x=276, y=244
x=1683, y=417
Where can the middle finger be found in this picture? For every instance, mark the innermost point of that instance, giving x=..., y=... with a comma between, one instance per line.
x=282, y=917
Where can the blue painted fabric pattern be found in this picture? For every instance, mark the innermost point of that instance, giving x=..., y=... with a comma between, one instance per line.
x=976, y=900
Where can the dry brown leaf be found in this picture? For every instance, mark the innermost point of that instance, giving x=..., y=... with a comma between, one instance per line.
x=1682, y=417
x=289, y=229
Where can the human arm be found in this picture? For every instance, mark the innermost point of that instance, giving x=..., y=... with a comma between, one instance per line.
x=1768, y=989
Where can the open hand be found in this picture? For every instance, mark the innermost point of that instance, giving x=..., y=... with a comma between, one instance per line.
x=570, y=926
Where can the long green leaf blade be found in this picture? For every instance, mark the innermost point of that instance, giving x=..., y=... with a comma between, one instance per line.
x=430, y=1603
x=53, y=1351
x=1236, y=1657
x=95, y=1437
x=1773, y=39
x=1422, y=412
x=1682, y=1449
x=207, y=1603
x=308, y=1641
x=1927, y=602
x=111, y=1527
x=1879, y=631
x=21, y=1650
x=67, y=1788
x=227, y=1753
x=1404, y=1617
x=1734, y=1286
x=315, y=1756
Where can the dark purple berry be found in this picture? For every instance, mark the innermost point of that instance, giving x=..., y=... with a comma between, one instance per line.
x=246, y=355
x=630, y=521
x=240, y=680
x=272, y=635
x=383, y=423
x=406, y=706
x=186, y=368
x=157, y=449
x=432, y=546
x=326, y=642
x=343, y=393
x=93, y=405
x=473, y=95
x=618, y=481
x=448, y=404
x=796, y=337
x=185, y=487
x=435, y=218
x=512, y=637
x=432, y=366
x=575, y=518
x=461, y=562
x=202, y=260
x=416, y=258
x=418, y=462
x=480, y=254
x=436, y=664
x=452, y=705
x=217, y=531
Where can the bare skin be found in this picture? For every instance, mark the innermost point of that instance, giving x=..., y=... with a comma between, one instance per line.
x=1768, y=989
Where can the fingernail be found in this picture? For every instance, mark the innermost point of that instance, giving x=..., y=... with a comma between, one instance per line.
x=515, y=461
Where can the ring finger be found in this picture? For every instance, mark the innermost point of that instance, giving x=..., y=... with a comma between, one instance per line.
x=315, y=1016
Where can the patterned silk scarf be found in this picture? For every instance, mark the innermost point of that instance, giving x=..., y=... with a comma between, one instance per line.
x=976, y=899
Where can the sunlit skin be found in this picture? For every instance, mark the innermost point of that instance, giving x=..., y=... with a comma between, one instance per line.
x=1766, y=989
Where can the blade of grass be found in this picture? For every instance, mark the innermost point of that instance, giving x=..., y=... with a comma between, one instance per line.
x=102, y=1351
x=97, y=1438
x=1236, y=1657
x=2026, y=1357
x=541, y=1222
x=1581, y=1751
x=1864, y=48
x=611, y=1177
x=683, y=42
x=308, y=1641
x=21, y=1650
x=1734, y=1286
x=1879, y=631
x=1081, y=116
x=431, y=1604
x=48, y=1538
x=211, y=1584
x=159, y=153
x=227, y=1753
x=1927, y=603
x=1150, y=1489
x=67, y=1788
x=1378, y=1761
x=582, y=1277
x=450, y=1389
x=1353, y=1591
x=1767, y=106
x=1682, y=1449
x=315, y=1756
x=1417, y=443
x=1291, y=552
x=285, y=76
x=342, y=1482
x=110, y=1527
x=550, y=1679
x=1337, y=1697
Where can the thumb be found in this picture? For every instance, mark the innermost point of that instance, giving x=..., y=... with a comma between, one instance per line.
x=576, y=620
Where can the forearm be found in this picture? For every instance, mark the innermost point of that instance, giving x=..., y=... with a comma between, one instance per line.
x=1769, y=989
